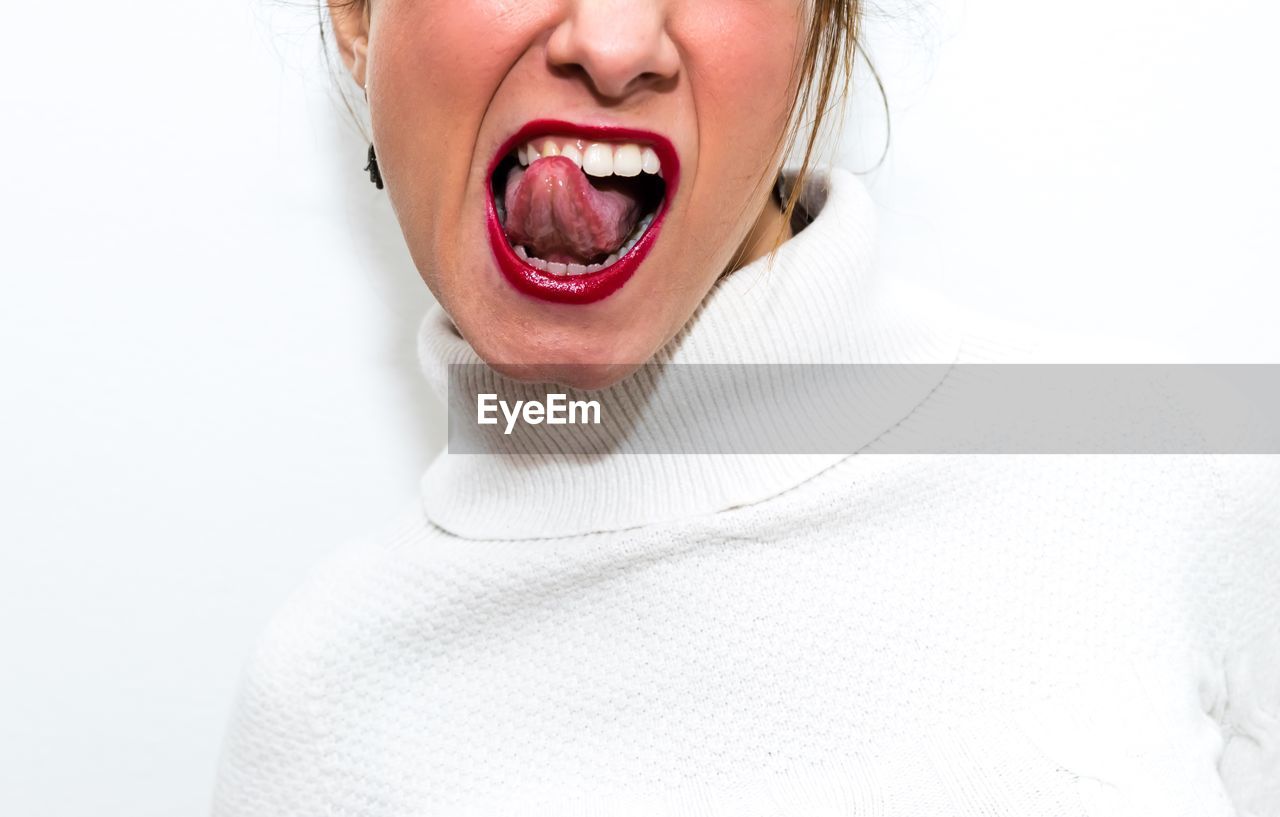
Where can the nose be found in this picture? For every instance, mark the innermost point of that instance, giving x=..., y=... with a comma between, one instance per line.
x=619, y=46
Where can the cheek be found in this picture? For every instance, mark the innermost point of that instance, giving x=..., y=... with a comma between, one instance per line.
x=741, y=58
x=434, y=68
x=447, y=54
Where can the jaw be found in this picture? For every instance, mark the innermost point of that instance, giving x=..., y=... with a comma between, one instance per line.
x=587, y=349
x=586, y=376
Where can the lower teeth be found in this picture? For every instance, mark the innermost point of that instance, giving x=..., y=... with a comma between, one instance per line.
x=556, y=268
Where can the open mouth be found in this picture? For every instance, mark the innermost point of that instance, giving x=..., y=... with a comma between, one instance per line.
x=574, y=210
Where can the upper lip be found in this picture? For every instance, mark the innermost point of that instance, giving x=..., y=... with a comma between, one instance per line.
x=604, y=133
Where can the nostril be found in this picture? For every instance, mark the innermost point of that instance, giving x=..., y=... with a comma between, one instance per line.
x=609, y=86
x=612, y=60
x=571, y=70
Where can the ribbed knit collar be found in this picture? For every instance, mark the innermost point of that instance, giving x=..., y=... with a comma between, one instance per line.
x=820, y=302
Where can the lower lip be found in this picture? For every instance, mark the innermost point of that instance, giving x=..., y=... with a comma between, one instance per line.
x=591, y=286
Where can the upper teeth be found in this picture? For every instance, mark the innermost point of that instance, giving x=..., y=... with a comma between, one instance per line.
x=595, y=158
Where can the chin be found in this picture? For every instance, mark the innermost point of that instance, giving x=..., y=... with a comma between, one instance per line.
x=583, y=376
x=579, y=360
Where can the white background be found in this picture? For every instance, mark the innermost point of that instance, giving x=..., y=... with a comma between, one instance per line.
x=207, y=317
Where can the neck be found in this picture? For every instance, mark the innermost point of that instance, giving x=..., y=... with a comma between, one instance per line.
x=771, y=229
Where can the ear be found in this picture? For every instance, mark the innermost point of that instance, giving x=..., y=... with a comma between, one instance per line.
x=351, y=30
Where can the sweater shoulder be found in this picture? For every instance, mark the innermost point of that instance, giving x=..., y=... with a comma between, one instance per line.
x=272, y=761
x=1249, y=491
x=1237, y=494
x=344, y=591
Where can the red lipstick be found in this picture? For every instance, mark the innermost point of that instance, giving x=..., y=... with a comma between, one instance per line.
x=592, y=286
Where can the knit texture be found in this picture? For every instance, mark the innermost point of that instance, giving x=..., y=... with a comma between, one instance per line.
x=882, y=635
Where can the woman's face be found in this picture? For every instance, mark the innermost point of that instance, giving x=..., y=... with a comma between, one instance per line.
x=571, y=176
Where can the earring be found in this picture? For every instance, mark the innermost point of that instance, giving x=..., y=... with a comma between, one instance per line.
x=374, y=175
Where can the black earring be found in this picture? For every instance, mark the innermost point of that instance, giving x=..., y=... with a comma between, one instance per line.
x=372, y=167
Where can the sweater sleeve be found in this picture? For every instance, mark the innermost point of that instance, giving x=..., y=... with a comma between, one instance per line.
x=269, y=755
x=1250, y=760
x=272, y=759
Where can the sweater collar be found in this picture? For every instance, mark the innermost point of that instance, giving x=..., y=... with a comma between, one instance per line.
x=843, y=313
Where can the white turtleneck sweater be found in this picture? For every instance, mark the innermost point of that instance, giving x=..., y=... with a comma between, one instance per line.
x=867, y=634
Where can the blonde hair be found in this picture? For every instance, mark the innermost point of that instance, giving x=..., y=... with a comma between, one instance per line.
x=825, y=71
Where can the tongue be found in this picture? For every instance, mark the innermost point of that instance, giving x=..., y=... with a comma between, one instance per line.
x=558, y=215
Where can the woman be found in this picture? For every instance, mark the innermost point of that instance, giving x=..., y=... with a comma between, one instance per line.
x=627, y=623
